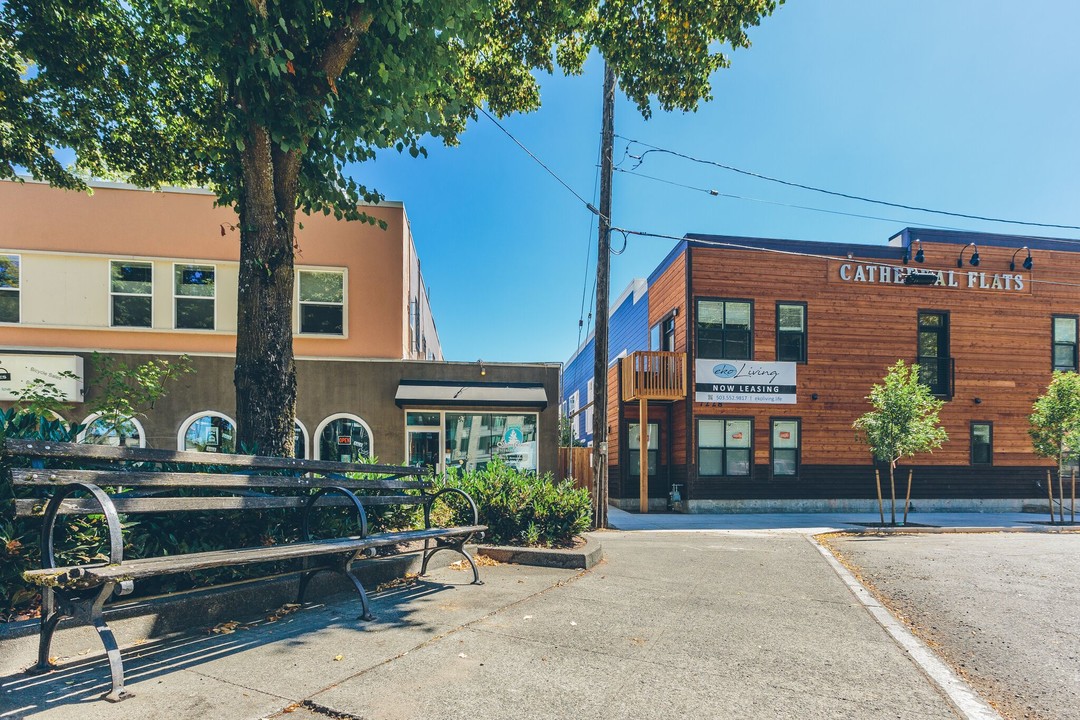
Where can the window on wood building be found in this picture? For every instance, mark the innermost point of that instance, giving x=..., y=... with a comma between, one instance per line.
x=725, y=329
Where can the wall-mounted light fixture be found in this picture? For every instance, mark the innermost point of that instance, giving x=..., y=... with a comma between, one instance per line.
x=978, y=401
x=1027, y=261
x=483, y=368
x=813, y=396
x=973, y=260
x=919, y=255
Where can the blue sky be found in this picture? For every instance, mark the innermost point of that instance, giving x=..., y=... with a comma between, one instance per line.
x=968, y=106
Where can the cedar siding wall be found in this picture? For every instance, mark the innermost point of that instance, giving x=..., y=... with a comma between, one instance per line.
x=1000, y=342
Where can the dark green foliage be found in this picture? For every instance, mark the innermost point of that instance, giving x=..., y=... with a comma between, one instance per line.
x=521, y=508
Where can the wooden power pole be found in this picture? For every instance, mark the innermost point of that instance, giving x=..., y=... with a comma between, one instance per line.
x=600, y=346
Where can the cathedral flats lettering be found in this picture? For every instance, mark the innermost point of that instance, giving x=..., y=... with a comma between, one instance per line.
x=873, y=274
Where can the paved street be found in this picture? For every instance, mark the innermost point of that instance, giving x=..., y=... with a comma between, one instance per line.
x=1001, y=608
x=753, y=625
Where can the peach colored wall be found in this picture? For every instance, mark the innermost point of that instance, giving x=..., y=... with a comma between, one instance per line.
x=185, y=225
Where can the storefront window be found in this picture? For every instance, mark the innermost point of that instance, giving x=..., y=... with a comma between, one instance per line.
x=209, y=433
x=633, y=442
x=299, y=441
x=121, y=433
x=472, y=440
x=345, y=439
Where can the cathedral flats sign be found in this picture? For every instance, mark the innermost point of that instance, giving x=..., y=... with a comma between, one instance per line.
x=863, y=273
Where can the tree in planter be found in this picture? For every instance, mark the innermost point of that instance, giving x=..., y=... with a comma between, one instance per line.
x=266, y=101
x=1055, y=427
x=904, y=422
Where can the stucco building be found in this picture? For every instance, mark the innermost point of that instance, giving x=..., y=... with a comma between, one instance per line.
x=137, y=274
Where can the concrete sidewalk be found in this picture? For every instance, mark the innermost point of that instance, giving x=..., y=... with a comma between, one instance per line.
x=750, y=625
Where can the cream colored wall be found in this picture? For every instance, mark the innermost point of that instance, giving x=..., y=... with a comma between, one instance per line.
x=119, y=223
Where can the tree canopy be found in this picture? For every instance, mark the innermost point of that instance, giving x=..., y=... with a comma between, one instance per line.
x=904, y=421
x=1055, y=418
x=266, y=102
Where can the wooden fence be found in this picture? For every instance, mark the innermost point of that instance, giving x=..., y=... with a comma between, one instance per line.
x=576, y=463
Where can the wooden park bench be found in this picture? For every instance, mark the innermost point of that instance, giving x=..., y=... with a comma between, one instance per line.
x=131, y=480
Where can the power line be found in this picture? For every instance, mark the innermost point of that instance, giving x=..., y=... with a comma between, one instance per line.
x=588, y=251
x=749, y=173
x=716, y=193
x=550, y=172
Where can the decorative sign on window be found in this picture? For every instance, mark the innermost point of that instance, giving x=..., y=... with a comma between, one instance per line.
x=744, y=381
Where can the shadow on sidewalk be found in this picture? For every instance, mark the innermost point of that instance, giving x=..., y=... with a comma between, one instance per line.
x=78, y=680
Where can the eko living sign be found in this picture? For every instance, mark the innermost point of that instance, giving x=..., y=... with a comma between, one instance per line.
x=744, y=381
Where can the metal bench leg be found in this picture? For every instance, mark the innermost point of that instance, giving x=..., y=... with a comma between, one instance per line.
x=460, y=550
x=347, y=570
x=50, y=617
x=305, y=580
x=116, y=665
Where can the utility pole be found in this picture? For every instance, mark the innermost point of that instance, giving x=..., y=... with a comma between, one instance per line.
x=600, y=346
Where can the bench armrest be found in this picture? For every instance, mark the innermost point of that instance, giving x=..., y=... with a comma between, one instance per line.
x=361, y=515
x=445, y=491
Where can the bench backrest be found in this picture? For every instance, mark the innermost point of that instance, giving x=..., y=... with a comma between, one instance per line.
x=248, y=481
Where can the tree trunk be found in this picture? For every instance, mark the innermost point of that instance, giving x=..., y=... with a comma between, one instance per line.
x=265, y=375
x=892, y=491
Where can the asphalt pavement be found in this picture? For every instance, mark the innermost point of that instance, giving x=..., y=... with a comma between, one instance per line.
x=1000, y=608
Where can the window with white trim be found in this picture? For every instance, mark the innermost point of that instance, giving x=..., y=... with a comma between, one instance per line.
x=322, y=302
x=575, y=420
x=195, y=292
x=589, y=411
x=117, y=432
x=10, y=288
x=344, y=438
x=208, y=432
x=131, y=293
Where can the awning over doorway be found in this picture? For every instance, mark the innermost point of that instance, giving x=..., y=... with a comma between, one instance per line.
x=450, y=393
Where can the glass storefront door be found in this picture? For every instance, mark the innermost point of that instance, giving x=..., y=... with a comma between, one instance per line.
x=424, y=448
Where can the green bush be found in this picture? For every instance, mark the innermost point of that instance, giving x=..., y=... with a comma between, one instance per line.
x=520, y=508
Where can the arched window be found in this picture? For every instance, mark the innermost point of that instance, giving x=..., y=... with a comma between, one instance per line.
x=345, y=438
x=300, y=441
x=99, y=431
x=207, y=431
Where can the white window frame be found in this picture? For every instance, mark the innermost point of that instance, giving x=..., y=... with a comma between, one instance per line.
x=441, y=468
x=317, y=453
x=112, y=319
x=344, y=302
x=89, y=420
x=574, y=402
x=307, y=439
x=589, y=397
x=211, y=298
x=184, y=426
x=19, y=259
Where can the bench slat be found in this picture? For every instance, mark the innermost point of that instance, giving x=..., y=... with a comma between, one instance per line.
x=88, y=576
x=29, y=507
x=79, y=451
x=39, y=477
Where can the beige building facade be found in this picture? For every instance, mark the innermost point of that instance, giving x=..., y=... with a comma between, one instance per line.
x=137, y=274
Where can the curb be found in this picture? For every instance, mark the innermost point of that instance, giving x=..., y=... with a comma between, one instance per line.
x=906, y=530
x=582, y=558
x=962, y=697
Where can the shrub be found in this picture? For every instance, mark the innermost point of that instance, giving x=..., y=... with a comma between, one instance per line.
x=520, y=508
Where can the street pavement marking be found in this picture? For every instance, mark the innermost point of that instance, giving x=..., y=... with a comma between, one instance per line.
x=966, y=700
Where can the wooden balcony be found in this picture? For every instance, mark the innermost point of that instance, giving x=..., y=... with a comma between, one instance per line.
x=654, y=375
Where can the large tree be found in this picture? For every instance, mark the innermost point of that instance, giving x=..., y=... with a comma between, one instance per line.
x=266, y=101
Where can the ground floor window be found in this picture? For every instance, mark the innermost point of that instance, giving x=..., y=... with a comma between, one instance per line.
x=208, y=432
x=300, y=440
x=633, y=438
x=470, y=440
x=122, y=432
x=724, y=447
x=344, y=438
x=982, y=443
x=785, y=447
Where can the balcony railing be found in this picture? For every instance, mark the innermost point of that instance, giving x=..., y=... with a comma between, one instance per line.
x=654, y=375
